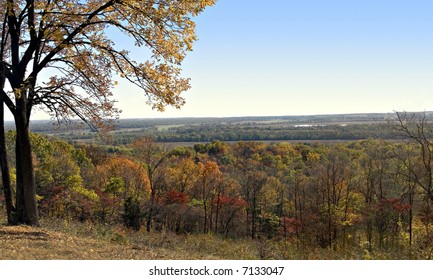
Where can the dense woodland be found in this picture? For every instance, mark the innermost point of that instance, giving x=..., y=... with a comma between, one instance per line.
x=370, y=194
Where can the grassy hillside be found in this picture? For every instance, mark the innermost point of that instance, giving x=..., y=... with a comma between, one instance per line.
x=59, y=240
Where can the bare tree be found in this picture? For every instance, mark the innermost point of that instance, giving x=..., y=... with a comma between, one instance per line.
x=419, y=131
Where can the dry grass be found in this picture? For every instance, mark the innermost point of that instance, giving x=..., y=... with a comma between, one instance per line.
x=57, y=240
x=23, y=243
x=85, y=241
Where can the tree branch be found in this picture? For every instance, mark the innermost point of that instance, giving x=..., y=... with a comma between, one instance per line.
x=71, y=36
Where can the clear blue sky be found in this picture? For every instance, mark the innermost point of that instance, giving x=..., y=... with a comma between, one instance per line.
x=294, y=57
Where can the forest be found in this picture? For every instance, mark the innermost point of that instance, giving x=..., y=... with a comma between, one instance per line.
x=370, y=196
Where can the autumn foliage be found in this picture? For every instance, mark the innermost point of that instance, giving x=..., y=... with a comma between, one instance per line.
x=64, y=57
x=334, y=196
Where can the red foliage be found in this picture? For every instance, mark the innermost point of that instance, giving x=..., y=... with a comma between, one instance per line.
x=238, y=202
x=108, y=201
x=55, y=196
x=175, y=197
x=290, y=225
x=228, y=201
x=222, y=199
x=394, y=204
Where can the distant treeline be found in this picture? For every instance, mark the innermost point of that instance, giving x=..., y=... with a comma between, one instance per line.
x=239, y=133
x=285, y=128
x=208, y=133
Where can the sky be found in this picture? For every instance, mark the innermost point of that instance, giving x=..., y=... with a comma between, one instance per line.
x=304, y=57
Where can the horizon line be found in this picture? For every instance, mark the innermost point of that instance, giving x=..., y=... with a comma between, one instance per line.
x=241, y=116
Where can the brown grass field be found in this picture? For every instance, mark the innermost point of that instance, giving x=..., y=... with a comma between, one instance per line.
x=62, y=240
x=57, y=241
x=27, y=243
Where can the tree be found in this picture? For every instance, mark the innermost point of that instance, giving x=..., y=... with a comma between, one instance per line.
x=182, y=175
x=406, y=154
x=252, y=182
x=6, y=181
x=152, y=156
x=68, y=42
x=419, y=130
x=121, y=182
x=207, y=183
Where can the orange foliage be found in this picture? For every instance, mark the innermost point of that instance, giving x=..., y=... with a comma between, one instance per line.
x=133, y=175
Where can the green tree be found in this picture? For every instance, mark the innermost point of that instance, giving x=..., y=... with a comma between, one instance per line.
x=68, y=41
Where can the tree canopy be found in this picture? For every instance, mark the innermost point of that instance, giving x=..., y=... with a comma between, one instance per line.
x=70, y=43
x=62, y=56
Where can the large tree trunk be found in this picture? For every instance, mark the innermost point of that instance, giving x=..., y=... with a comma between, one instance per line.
x=26, y=204
x=7, y=188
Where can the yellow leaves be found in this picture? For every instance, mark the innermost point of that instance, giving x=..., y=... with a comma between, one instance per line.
x=132, y=175
x=164, y=85
x=313, y=157
x=74, y=38
x=90, y=194
x=57, y=35
x=209, y=170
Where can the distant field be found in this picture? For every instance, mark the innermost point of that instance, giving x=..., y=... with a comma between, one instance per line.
x=326, y=142
x=184, y=131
